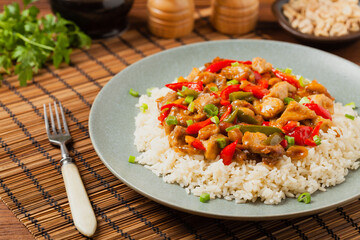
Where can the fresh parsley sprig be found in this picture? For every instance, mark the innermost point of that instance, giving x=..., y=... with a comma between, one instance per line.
x=27, y=42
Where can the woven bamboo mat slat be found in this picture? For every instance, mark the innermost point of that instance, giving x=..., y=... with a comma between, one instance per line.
x=30, y=180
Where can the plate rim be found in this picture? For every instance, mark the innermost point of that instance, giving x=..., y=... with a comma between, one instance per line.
x=202, y=212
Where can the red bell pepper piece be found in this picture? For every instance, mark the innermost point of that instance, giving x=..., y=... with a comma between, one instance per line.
x=163, y=115
x=197, y=86
x=170, y=105
x=227, y=113
x=310, y=141
x=263, y=83
x=215, y=67
x=257, y=75
x=194, y=128
x=300, y=134
x=198, y=145
x=225, y=93
x=257, y=91
x=290, y=126
x=284, y=143
x=265, y=123
x=286, y=77
x=316, y=130
x=319, y=110
x=228, y=152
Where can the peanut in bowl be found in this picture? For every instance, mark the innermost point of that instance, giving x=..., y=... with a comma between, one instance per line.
x=316, y=23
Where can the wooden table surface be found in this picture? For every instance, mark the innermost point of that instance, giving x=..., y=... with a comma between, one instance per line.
x=10, y=226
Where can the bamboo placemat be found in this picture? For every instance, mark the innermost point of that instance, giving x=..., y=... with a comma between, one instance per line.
x=31, y=183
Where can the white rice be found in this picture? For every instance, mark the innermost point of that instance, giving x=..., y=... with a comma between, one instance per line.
x=326, y=165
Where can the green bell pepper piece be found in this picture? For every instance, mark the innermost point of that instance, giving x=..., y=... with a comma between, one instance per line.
x=232, y=116
x=246, y=118
x=248, y=96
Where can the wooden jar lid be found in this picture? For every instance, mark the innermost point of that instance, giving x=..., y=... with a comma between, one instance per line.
x=235, y=12
x=234, y=16
x=170, y=18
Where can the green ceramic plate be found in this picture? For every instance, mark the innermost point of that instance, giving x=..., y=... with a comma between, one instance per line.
x=112, y=121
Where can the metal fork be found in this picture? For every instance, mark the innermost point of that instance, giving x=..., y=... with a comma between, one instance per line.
x=81, y=210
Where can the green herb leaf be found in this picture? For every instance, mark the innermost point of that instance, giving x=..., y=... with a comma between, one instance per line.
x=27, y=42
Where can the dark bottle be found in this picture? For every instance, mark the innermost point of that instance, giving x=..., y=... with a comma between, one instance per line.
x=97, y=18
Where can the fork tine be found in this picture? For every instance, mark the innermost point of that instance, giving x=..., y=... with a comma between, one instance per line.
x=63, y=118
x=46, y=121
x=57, y=118
x=52, y=119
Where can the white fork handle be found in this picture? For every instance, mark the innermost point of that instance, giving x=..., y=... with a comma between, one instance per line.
x=81, y=210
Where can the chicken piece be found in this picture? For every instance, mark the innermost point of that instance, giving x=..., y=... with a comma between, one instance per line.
x=242, y=104
x=168, y=98
x=281, y=90
x=177, y=136
x=235, y=134
x=206, y=132
x=316, y=88
x=323, y=101
x=326, y=123
x=212, y=147
x=295, y=112
x=224, y=125
x=247, y=111
x=270, y=107
x=273, y=81
x=240, y=72
x=177, y=141
x=254, y=142
x=221, y=82
x=239, y=156
x=183, y=115
x=297, y=152
x=260, y=65
x=194, y=73
x=204, y=99
x=206, y=77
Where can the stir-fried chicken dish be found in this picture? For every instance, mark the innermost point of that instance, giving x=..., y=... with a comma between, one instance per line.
x=245, y=110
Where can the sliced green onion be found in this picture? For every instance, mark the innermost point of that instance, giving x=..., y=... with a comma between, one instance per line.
x=191, y=107
x=205, y=197
x=304, y=100
x=171, y=120
x=189, y=122
x=351, y=104
x=133, y=93
x=143, y=107
x=148, y=91
x=235, y=64
x=189, y=99
x=290, y=140
x=215, y=120
x=211, y=110
x=287, y=100
x=317, y=139
x=350, y=116
x=288, y=70
x=303, y=81
x=180, y=94
x=280, y=69
x=232, y=82
x=221, y=142
x=304, y=197
x=214, y=89
x=232, y=127
x=131, y=159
